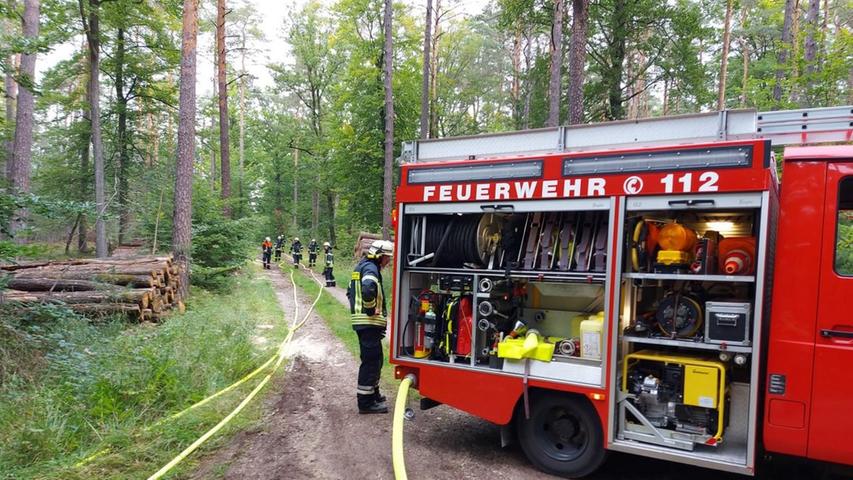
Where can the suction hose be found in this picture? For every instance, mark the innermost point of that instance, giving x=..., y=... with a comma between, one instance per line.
x=397, y=430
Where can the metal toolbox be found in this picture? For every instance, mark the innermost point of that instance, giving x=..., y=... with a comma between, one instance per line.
x=727, y=322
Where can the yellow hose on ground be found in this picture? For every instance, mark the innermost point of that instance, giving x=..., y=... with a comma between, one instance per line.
x=397, y=430
x=281, y=356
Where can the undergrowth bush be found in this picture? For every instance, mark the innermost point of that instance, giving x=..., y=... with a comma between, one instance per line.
x=220, y=246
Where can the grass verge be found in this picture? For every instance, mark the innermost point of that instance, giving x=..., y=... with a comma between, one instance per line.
x=89, y=411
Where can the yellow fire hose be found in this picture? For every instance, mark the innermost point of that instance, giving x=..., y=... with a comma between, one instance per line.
x=280, y=355
x=397, y=430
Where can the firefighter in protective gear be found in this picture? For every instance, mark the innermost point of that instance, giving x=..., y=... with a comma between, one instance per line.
x=330, y=264
x=266, y=250
x=367, y=306
x=278, y=244
x=313, y=248
x=296, y=251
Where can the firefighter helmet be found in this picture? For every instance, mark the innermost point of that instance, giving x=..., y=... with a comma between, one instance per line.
x=379, y=248
x=327, y=244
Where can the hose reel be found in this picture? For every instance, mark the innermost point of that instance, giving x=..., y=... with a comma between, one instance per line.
x=457, y=240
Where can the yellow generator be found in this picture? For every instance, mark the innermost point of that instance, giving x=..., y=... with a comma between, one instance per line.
x=673, y=400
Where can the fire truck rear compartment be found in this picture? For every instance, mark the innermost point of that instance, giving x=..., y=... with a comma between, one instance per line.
x=477, y=277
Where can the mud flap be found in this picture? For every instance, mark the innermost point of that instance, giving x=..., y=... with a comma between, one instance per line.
x=507, y=435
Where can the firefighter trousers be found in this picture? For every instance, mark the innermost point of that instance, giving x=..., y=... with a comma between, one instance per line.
x=370, y=345
x=330, y=277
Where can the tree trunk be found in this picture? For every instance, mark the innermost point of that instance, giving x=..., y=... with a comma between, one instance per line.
x=744, y=51
x=389, y=121
x=23, y=150
x=93, y=33
x=82, y=230
x=516, y=78
x=724, y=60
x=555, y=89
x=616, y=56
x=433, y=74
x=224, y=148
x=121, y=110
x=528, y=82
x=315, y=209
x=810, y=53
x=794, y=73
x=181, y=220
x=242, y=87
x=577, y=60
x=784, y=48
x=426, y=69
x=330, y=204
x=296, y=191
x=11, y=94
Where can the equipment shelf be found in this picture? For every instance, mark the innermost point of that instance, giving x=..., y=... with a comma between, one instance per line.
x=687, y=344
x=588, y=277
x=689, y=277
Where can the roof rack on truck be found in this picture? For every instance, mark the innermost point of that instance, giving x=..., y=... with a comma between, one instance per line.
x=782, y=127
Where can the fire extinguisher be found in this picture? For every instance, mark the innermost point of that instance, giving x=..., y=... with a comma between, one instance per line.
x=424, y=325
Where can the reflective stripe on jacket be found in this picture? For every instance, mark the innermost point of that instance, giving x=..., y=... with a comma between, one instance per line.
x=366, y=295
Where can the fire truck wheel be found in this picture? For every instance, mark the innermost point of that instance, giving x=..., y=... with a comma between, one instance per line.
x=563, y=435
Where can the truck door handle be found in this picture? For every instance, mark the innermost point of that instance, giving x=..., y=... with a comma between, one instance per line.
x=691, y=203
x=835, y=333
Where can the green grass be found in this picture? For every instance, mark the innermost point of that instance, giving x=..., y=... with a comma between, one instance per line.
x=86, y=412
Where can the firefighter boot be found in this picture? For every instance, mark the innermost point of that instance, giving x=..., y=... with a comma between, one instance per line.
x=378, y=397
x=367, y=405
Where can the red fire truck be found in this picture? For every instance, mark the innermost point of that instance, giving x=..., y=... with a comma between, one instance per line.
x=640, y=286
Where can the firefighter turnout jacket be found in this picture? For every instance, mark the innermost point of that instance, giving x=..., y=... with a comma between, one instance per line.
x=366, y=295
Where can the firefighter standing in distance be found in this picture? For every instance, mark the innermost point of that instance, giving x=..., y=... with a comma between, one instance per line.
x=367, y=306
x=330, y=264
x=313, y=248
x=278, y=244
x=266, y=249
x=296, y=251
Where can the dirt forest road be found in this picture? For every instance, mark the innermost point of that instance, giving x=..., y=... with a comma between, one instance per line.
x=310, y=428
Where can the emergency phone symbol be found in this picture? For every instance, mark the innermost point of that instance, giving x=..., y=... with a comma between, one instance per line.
x=633, y=185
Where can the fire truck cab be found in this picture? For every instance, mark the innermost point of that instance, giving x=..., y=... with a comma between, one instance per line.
x=609, y=287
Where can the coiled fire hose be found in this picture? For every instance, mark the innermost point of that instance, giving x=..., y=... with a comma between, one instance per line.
x=397, y=430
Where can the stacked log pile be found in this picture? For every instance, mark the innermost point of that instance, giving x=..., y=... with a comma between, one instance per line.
x=146, y=288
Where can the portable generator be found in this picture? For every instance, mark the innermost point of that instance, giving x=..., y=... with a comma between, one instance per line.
x=676, y=399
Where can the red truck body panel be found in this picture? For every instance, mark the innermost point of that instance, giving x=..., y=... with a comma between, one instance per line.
x=811, y=418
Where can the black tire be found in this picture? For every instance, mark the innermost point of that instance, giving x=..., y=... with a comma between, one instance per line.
x=563, y=435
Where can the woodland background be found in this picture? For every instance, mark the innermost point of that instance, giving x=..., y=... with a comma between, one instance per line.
x=305, y=156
